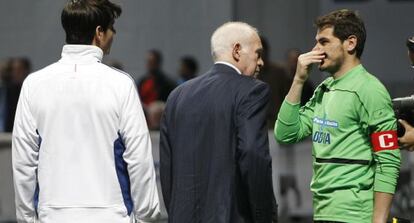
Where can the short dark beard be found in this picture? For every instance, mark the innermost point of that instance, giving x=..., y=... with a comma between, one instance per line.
x=333, y=69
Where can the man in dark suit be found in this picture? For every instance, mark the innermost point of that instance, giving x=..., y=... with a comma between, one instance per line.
x=214, y=152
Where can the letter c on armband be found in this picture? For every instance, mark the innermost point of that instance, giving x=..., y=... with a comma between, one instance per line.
x=386, y=140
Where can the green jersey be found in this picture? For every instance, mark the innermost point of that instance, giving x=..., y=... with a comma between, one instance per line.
x=341, y=118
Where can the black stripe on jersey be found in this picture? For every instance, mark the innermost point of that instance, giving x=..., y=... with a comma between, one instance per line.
x=342, y=161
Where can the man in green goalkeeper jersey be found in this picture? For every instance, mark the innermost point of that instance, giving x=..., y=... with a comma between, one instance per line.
x=352, y=125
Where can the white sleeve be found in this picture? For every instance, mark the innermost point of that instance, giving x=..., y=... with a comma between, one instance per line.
x=25, y=150
x=138, y=156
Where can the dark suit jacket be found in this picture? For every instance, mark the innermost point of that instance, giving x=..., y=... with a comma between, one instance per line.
x=214, y=152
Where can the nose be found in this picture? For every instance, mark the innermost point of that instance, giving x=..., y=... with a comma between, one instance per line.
x=316, y=47
x=260, y=63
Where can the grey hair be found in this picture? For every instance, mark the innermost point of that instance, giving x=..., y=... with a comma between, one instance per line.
x=228, y=34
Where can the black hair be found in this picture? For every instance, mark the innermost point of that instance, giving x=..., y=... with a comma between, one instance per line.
x=157, y=54
x=345, y=23
x=81, y=17
x=191, y=63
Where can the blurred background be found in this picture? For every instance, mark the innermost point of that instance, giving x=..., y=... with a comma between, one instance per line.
x=163, y=43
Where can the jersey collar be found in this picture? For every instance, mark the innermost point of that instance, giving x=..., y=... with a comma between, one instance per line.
x=81, y=53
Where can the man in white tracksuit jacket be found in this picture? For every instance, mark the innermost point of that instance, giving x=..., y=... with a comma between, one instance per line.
x=81, y=146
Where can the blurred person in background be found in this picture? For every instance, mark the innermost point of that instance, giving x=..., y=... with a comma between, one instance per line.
x=4, y=70
x=275, y=76
x=4, y=74
x=155, y=85
x=154, y=114
x=20, y=67
x=81, y=149
x=188, y=69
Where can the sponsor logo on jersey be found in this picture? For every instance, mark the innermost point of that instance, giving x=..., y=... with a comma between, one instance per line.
x=322, y=136
x=325, y=122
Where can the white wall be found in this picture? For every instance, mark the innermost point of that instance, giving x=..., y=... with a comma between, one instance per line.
x=33, y=29
x=286, y=24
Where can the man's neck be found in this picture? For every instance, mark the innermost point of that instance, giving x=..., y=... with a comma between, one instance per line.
x=229, y=64
x=346, y=66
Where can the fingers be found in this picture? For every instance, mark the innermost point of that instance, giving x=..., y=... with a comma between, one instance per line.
x=406, y=140
x=405, y=124
x=403, y=140
x=314, y=61
x=305, y=62
x=311, y=57
x=314, y=54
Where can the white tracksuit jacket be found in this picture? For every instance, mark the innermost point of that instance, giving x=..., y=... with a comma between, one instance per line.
x=81, y=146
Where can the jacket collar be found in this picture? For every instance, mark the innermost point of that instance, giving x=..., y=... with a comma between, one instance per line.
x=223, y=68
x=81, y=53
x=230, y=65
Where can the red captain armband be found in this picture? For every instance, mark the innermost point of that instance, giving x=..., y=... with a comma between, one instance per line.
x=386, y=140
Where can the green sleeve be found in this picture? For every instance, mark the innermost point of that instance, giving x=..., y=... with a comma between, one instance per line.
x=380, y=117
x=293, y=122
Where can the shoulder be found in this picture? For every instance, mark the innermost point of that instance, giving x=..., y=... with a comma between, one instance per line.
x=372, y=93
x=186, y=86
x=41, y=74
x=255, y=84
x=251, y=89
x=369, y=87
x=318, y=91
x=116, y=76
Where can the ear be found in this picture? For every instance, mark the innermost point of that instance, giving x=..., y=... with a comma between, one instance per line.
x=99, y=32
x=236, y=51
x=351, y=43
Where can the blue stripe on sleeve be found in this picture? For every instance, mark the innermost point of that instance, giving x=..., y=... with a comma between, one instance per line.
x=122, y=173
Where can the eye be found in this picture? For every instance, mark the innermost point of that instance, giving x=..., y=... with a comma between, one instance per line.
x=323, y=41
